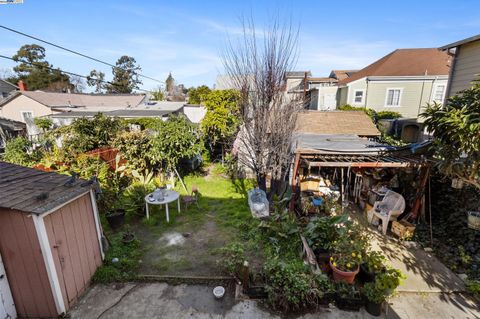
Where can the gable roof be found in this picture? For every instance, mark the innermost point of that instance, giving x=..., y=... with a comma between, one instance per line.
x=342, y=74
x=406, y=62
x=58, y=100
x=9, y=84
x=459, y=43
x=21, y=189
x=336, y=122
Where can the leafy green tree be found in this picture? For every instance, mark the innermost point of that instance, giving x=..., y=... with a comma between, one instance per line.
x=456, y=128
x=125, y=76
x=222, y=118
x=96, y=79
x=135, y=147
x=158, y=95
x=174, y=140
x=19, y=151
x=197, y=95
x=86, y=134
x=36, y=72
x=43, y=123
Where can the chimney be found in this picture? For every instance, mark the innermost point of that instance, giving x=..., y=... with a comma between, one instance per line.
x=22, y=86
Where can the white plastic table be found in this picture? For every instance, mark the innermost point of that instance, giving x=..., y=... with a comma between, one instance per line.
x=168, y=197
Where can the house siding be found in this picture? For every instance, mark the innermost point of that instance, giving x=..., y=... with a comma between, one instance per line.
x=24, y=265
x=466, y=67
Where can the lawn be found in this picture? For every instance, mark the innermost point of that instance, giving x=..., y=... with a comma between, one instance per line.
x=188, y=245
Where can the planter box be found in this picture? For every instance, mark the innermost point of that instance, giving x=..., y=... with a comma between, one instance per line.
x=349, y=304
x=403, y=229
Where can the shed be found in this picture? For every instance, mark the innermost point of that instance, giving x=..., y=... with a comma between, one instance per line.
x=50, y=241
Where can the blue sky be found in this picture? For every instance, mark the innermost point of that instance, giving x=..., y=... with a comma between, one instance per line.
x=187, y=37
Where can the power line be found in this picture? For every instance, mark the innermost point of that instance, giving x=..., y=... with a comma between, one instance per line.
x=64, y=72
x=77, y=53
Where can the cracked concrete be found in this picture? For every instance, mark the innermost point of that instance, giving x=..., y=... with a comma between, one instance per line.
x=160, y=300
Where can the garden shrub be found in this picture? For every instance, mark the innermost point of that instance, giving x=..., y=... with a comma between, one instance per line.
x=135, y=148
x=233, y=257
x=19, y=151
x=387, y=115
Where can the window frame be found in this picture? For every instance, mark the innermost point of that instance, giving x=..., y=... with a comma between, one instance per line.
x=23, y=115
x=435, y=87
x=399, y=97
x=362, y=102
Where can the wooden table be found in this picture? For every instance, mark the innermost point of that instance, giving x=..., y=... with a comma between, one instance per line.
x=168, y=197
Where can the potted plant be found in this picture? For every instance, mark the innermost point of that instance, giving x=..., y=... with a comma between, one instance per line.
x=326, y=289
x=377, y=291
x=373, y=263
x=128, y=236
x=375, y=298
x=348, y=297
x=347, y=257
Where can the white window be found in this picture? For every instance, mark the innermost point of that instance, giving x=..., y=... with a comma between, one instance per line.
x=27, y=116
x=393, y=97
x=358, y=96
x=439, y=93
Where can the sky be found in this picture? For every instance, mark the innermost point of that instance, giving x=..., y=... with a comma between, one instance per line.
x=187, y=37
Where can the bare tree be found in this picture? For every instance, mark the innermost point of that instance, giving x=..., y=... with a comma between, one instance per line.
x=256, y=65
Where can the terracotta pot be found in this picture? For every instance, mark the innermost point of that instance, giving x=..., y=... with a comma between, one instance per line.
x=345, y=276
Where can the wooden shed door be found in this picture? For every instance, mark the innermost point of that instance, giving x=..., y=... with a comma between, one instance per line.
x=76, y=252
x=7, y=307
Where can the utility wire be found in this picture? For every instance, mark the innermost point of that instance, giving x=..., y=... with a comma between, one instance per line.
x=64, y=72
x=77, y=53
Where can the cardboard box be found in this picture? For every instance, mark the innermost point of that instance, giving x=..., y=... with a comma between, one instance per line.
x=309, y=185
x=403, y=229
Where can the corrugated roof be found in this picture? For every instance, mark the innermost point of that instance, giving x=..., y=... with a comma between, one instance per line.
x=57, y=100
x=336, y=122
x=21, y=189
x=406, y=62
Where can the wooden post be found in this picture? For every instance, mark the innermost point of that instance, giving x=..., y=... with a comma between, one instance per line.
x=294, y=182
x=245, y=274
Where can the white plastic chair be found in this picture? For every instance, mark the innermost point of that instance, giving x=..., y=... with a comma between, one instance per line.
x=391, y=206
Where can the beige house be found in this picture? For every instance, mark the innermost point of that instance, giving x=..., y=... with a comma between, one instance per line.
x=24, y=106
x=403, y=81
x=465, y=65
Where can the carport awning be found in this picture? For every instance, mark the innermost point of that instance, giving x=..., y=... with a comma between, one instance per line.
x=356, y=160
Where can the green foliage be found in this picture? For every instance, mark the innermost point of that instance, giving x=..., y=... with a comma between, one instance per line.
x=372, y=293
x=133, y=198
x=174, y=140
x=128, y=261
x=473, y=287
x=289, y=284
x=19, y=151
x=346, y=291
x=222, y=117
x=35, y=71
x=144, y=122
x=375, y=116
x=390, y=140
x=281, y=232
x=384, y=285
x=158, y=94
x=374, y=261
x=233, y=257
x=384, y=115
x=87, y=166
x=322, y=232
x=125, y=76
x=455, y=127
x=198, y=95
x=43, y=123
x=136, y=148
x=85, y=134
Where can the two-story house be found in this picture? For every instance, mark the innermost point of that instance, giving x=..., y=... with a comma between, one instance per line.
x=466, y=64
x=403, y=81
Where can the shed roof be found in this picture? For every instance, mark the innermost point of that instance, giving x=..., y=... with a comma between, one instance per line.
x=126, y=113
x=21, y=188
x=406, y=62
x=12, y=125
x=336, y=122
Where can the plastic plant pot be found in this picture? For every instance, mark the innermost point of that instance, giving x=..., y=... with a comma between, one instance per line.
x=219, y=292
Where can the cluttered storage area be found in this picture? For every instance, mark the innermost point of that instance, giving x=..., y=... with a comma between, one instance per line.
x=339, y=172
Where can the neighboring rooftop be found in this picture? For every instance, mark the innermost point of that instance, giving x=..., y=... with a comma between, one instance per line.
x=24, y=189
x=336, y=122
x=322, y=79
x=342, y=74
x=458, y=43
x=406, y=62
x=12, y=125
x=298, y=74
x=68, y=100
